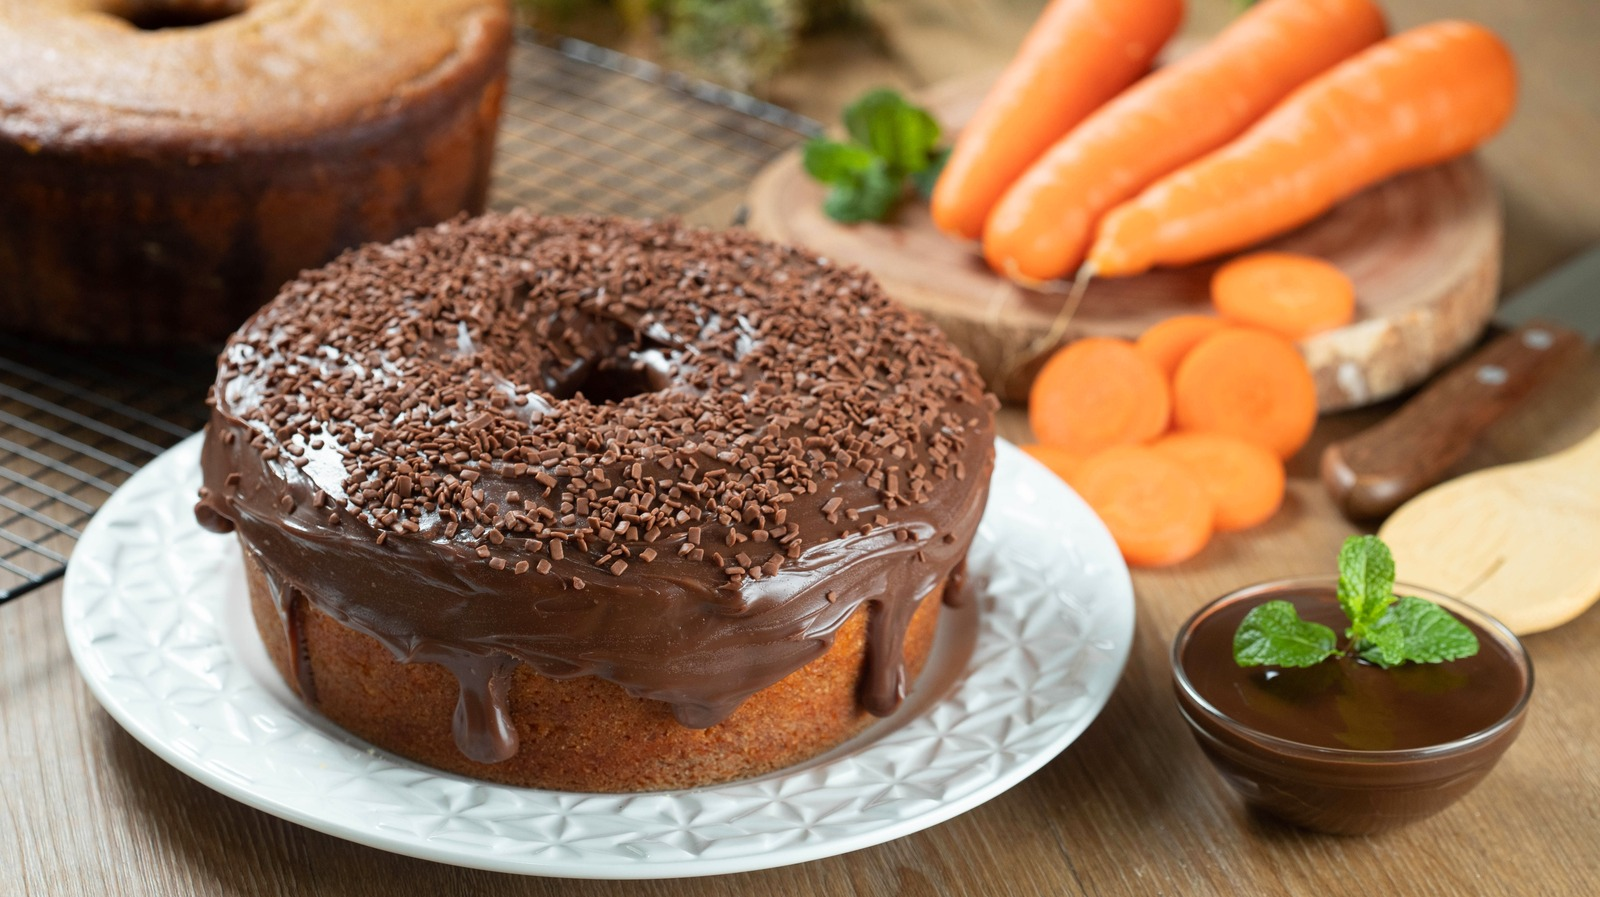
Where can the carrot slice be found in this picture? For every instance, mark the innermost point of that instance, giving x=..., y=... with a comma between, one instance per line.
x=1079, y=54
x=1154, y=507
x=1061, y=462
x=1168, y=341
x=1250, y=384
x=1289, y=294
x=1097, y=393
x=1244, y=481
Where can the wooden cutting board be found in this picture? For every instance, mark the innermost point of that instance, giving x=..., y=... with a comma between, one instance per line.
x=1423, y=250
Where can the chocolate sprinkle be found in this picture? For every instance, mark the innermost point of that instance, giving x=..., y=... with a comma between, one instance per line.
x=787, y=386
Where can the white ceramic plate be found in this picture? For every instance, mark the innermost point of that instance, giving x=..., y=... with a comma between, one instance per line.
x=157, y=622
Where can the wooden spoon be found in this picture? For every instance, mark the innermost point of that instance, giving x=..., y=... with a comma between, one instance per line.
x=1521, y=541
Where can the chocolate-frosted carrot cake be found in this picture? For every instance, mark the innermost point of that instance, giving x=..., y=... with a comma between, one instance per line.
x=594, y=504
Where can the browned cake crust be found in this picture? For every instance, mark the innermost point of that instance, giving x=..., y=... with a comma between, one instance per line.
x=159, y=185
x=583, y=734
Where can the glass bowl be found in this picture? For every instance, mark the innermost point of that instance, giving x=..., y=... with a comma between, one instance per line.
x=1346, y=790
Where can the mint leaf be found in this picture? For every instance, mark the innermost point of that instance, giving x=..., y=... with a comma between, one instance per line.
x=1383, y=643
x=832, y=162
x=1272, y=634
x=903, y=135
x=1366, y=581
x=927, y=177
x=890, y=140
x=868, y=196
x=1417, y=631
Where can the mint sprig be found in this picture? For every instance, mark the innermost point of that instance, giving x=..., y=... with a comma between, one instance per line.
x=890, y=140
x=1273, y=634
x=1385, y=629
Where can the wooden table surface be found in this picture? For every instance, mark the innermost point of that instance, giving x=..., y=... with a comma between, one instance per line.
x=1131, y=807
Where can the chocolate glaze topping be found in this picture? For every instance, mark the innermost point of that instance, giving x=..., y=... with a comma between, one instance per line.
x=674, y=459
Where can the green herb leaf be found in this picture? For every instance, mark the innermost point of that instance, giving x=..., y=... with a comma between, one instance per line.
x=903, y=135
x=927, y=177
x=869, y=196
x=832, y=162
x=1366, y=581
x=1418, y=631
x=1272, y=634
x=1384, y=629
x=890, y=140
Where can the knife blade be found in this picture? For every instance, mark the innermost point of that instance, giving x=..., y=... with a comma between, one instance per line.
x=1547, y=325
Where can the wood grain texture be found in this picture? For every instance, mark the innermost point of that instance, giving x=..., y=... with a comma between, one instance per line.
x=1371, y=474
x=1518, y=540
x=1423, y=250
x=1131, y=808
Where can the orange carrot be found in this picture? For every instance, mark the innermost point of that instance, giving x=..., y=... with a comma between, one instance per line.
x=1291, y=295
x=1154, y=507
x=1042, y=227
x=1166, y=342
x=1079, y=54
x=1097, y=393
x=1244, y=481
x=1061, y=462
x=1419, y=98
x=1249, y=384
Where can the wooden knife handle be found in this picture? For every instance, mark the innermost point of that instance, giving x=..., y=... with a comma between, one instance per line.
x=1374, y=472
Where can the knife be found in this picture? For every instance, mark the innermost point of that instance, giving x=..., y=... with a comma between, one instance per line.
x=1549, y=324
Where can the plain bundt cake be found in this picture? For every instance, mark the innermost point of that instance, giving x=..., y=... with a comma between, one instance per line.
x=169, y=164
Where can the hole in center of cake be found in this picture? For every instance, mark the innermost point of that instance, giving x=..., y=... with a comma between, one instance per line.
x=626, y=364
x=159, y=15
x=613, y=379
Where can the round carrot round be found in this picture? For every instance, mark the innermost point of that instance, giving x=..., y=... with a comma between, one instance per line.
x=1289, y=294
x=1061, y=462
x=1249, y=384
x=1244, y=481
x=1168, y=341
x=1156, y=510
x=1097, y=393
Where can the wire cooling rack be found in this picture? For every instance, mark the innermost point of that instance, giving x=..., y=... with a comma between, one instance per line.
x=585, y=129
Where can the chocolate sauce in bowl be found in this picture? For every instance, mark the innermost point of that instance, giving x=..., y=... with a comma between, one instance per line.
x=1347, y=747
x=1349, y=703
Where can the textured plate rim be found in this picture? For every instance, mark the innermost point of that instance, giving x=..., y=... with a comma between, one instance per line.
x=1113, y=638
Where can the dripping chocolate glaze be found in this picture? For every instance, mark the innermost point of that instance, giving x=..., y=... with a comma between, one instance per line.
x=674, y=459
